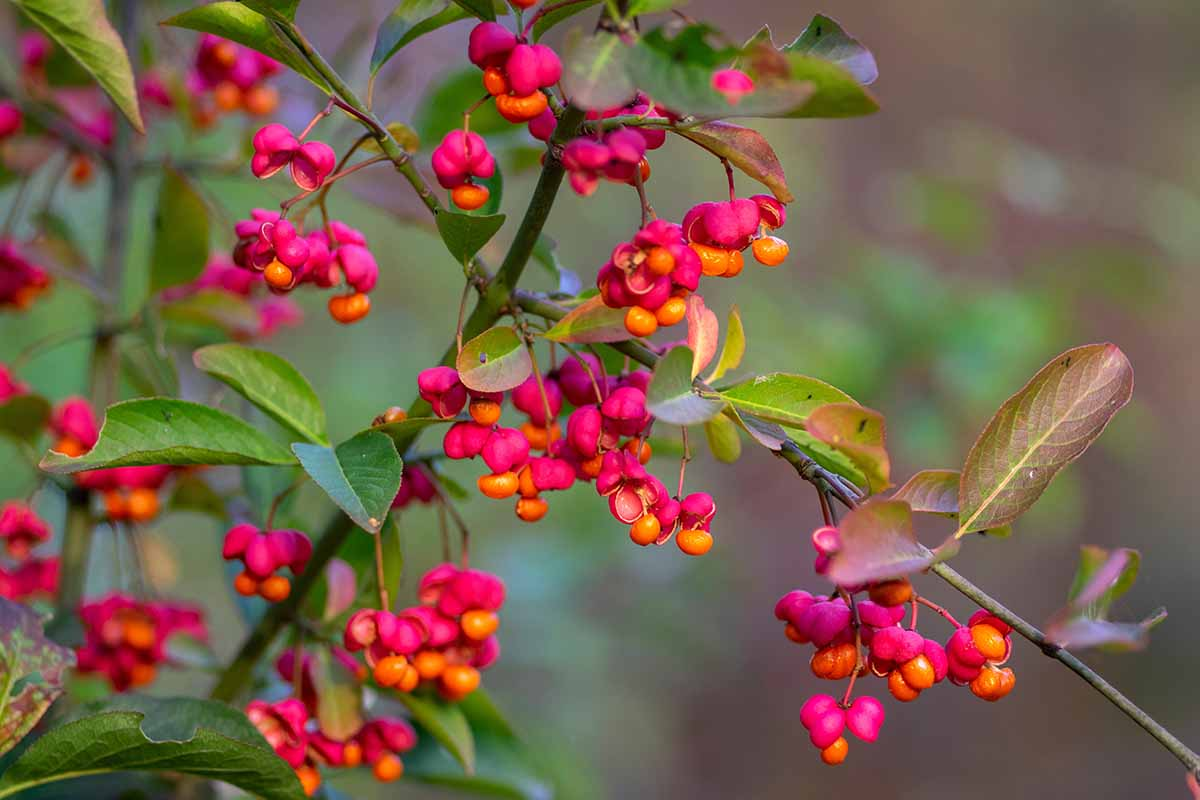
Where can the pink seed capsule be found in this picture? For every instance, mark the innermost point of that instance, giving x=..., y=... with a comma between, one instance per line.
x=864, y=718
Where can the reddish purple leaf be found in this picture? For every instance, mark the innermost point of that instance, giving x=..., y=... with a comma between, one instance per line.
x=703, y=333
x=746, y=149
x=877, y=542
x=341, y=587
x=858, y=432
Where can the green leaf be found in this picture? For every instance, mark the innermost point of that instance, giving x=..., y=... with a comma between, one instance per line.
x=465, y=235
x=180, y=247
x=935, y=491
x=824, y=38
x=504, y=765
x=877, y=542
x=181, y=734
x=1038, y=431
x=393, y=558
x=446, y=723
x=858, y=432
x=594, y=70
x=723, y=439
x=405, y=431
x=405, y=136
x=703, y=332
x=480, y=9
x=159, y=430
x=410, y=20
x=440, y=110
x=146, y=364
x=560, y=13
x=677, y=73
x=638, y=7
x=734, y=347
x=831, y=459
x=24, y=416
x=782, y=397
x=591, y=322
x=82, y=29
x=280, y=9
x=233, y=314
x=247, y=27
x=670, y=396
x=339, y=697
x=494, y=361
x=55, y=235
x=746, y=149
x=31, y=672
x=269, y=382
x=837, y=92
x=361, y=475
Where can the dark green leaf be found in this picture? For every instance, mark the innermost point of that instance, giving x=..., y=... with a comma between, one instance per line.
x=723, y=438
x=561, y=13
x=393, y=558
x=269, y=382
x=279, y=9
x=180, y=247
x=877, y=542
x=824, y=38
x=339, y=697
x=481, y=9
x=859, y=433
x=782, y=397
x=734, y=347
x=746, y=149
x=446, y=723
x=82, y=29
x=594, y=71
x=24, y=417
x=181, y=734
x=833, y=460
x=591, y=322
x=670, y=396
x=246, y=26
x=1038, y=431
x=404, y=432
x=408, y=21
x=637, y=7
x=147, y=366
x=160, y=430
x=465, y=235
x=494, y=361
x=440, y=110
x=836, y=91
x=361, y=475
x=31, y=672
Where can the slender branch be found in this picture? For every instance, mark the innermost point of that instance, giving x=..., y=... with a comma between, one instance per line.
x=238, y=676
x=1186, y=755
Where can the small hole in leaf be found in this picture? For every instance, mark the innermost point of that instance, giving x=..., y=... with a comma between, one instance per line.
x=862, y=425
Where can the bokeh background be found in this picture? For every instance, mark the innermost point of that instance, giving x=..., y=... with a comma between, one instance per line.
x=1031, y=183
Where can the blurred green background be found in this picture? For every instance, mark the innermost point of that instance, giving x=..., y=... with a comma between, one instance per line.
x=1030, y=184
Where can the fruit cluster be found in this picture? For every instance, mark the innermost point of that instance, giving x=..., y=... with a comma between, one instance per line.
x=276, y=147
x=125, y=638
x=720, y=231
x=858, y=637
x=130, y=494
x=514, y=72
x=264, y=554
x=226, y=77
x=651, y=276
x=458, y=161
x=22, y=530
x=287, y=258
x=617, y=155
x=21, y=280
x=605, y=441
x=444, y=641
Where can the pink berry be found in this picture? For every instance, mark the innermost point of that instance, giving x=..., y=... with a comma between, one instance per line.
x=864, y=718
x=814, y=708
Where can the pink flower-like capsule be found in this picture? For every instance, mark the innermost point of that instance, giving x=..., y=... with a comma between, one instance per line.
x=732, y=224
x=876, y=616
x=826, y=724
x=35, y=49
x=961, y=648
x=583, y=430
x=824, y=622
x=361, y=631
x=470, y=590
x=937, y=658
x=358, y=266
x=401, y=633
x=814, y=708
x=527, y=398
x=10, y=119
x=465, y=440
x=626, y=145
x=486, y=654
x=414, y=485
x=624, y=411
x=896, y=644
x=282, y=725
x=542, y=126
x=10, y=387
x=21, y=529
x=279, y=241
x=792, y=605
x=434, y=581
x=531, y=67
x=442, y=389
x=638, y=379
x=442, y=630
x=274, y=147
x=772, y=213
x=311, y=164
x=577, y=384
x=461, y=156
x=733, y=84
x=697, y=510
x=983, y=617
x=826, y=540
x=36, y=576
x=864, y=718
x=506, y=450
x=489, y=44
x=73, y=418
x=551, y=474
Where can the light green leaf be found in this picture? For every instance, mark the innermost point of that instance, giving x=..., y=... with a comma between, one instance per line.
x=723, y=438
x=782, y=397
x=446, y=723
x=591, y=322
x=405, y=431
x=824, y=38
x=159, y=430
x=859, y=433
x=269, y=382
x=280, y=9
x=560, y=13
x=465, y=234
x=831, y=459
x=734, y=347
x=441, y=108
x=246, y=26
x=481, y=9
x=181, y=734
x=82, y=29
x=594, y=71
x=180, y=247
x=494, y=361
x=23, y=417
x=361, y=475
x=671, y=397
x=410, y=20
x=1038, y=431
